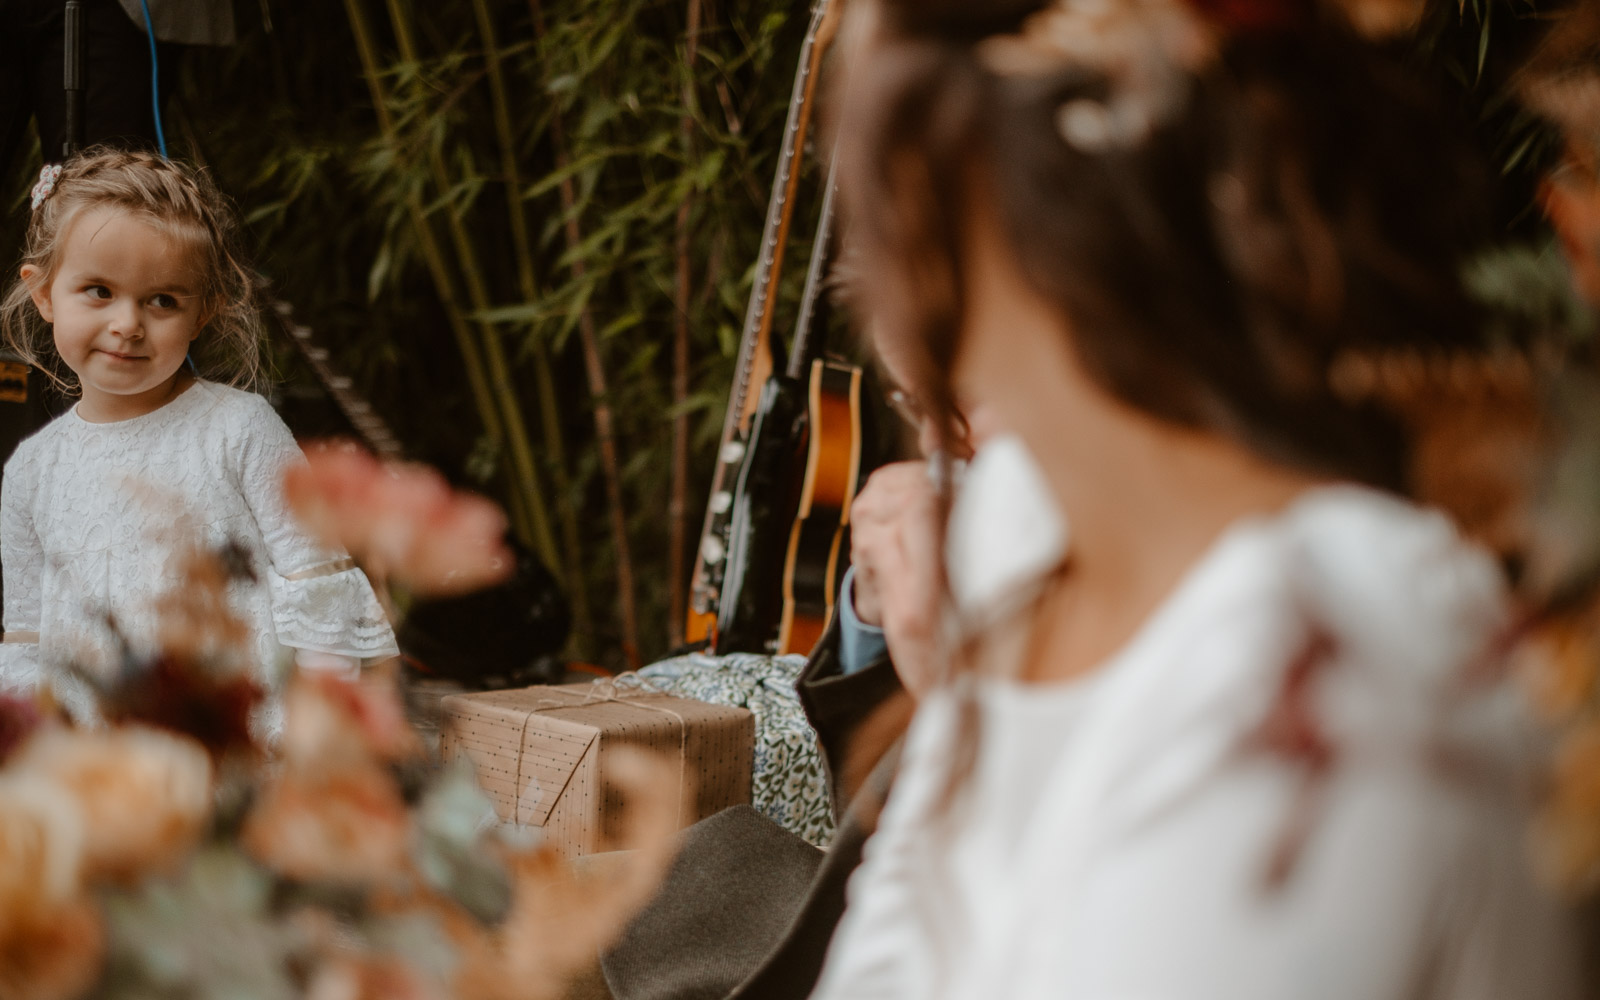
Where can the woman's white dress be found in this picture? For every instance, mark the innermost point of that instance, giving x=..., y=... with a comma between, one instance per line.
x=1117, y=837
x=92, y=514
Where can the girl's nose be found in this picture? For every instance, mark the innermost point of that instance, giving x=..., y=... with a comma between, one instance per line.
x=125, y=320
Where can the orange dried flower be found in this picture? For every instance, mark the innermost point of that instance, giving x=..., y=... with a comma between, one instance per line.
x=1571, y=198
x=562, y=915
x=1558, y=663
x=144, y=795
x=54, y=957
x=346, y=827
x=331, y=722
x=1568, y=833
x=42, y=838
x=370, y=978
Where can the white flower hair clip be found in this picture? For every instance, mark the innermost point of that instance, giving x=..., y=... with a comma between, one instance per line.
x=1143, y=48
x=47, y=183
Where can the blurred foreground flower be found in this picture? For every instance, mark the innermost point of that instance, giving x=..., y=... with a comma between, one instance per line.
x=351, y=978
x=1561, y=83
x=334, y=722
x=333, y=812
x=347, y=828
x=189, y=697
x=1567, y=837
x=42, y=836
x=202, y=683
x=1571, y=197
x=145, y=795
x=50, y=936
x=152, y=859
x=563, y=915
x=56, y=957
x=400, y=521
x=19, y=717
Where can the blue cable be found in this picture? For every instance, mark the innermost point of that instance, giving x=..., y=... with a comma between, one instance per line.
x=155, y=79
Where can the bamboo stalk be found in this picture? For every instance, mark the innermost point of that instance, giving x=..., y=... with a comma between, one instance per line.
x=503, y=391
x=594, y=369
x=444, y=287
x=549, y=419
x=678, y=506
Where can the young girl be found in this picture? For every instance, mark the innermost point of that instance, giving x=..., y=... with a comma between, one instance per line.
x=131, y=294
x=1251, y=739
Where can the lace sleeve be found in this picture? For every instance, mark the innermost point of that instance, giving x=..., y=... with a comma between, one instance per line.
x=22, y=556
x=320, y=600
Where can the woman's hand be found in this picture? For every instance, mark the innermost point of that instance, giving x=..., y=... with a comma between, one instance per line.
x=894, y=546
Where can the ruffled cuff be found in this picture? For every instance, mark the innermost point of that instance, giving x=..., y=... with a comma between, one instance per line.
x=19, y=667
x=331, y=612
x=21, y=675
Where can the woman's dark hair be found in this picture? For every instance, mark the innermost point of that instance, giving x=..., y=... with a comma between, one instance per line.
x=1305, y=200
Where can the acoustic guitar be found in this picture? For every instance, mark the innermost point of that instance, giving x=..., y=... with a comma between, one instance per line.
x=774, y=542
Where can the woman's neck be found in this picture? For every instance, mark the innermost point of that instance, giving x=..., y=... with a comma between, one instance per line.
x=1159, y=499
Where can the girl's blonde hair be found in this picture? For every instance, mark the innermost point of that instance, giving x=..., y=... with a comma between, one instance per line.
x=183, y=204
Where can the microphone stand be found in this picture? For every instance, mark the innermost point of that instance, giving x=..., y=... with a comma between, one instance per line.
x=73, y=76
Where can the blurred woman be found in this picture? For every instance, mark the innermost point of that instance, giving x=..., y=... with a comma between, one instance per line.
x=1249, y=740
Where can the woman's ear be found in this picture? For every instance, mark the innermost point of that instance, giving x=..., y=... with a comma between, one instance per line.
x=39, y=290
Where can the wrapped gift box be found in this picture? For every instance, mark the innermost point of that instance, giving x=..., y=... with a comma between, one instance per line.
x=540, y=752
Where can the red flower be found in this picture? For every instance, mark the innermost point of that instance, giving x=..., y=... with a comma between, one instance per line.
x=182, y=696
x=19, y=717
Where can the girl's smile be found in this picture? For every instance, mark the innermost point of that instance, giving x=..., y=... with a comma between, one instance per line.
x=123, y=310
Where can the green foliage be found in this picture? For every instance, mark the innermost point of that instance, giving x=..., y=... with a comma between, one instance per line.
x=286, y=122
x=206, y=935
x=1475, y=48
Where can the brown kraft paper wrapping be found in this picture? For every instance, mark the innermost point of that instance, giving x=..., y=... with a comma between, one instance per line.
x=540, y=752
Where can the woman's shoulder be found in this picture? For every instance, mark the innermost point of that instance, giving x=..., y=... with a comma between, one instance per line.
x=1395, y=582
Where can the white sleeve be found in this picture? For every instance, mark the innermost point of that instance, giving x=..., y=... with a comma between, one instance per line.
x=320, y=600
x=22, y=556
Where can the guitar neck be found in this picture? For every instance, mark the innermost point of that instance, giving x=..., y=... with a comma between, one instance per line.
x=807, y=344
x=368, y=425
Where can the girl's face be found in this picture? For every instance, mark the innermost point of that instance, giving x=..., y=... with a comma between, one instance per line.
x=124, y=306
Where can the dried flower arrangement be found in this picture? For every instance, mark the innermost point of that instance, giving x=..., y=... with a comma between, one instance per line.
x=169, y=854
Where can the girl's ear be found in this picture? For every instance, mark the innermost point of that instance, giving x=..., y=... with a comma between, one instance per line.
x=39, y=290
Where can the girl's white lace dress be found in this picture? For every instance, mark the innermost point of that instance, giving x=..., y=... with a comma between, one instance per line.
x=91, y=516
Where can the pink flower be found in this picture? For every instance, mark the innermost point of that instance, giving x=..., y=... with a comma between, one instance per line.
x=350, y=827
x=144, y=794
x=332, y=723
x=400, y=520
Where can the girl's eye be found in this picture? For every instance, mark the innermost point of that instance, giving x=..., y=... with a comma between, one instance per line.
x=165, y=302
x=98, y=292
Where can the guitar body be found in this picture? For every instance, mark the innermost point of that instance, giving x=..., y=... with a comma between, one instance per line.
x=765, y=498
x=817, y=553
x=790, y=513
